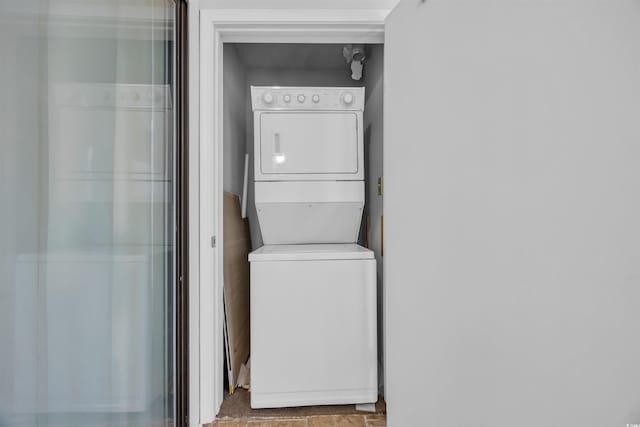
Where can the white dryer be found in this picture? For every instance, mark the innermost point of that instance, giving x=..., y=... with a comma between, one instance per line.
x=309, y=164
x=313, y=289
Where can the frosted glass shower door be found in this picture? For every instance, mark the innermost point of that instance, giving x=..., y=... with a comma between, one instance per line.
x=87, y=214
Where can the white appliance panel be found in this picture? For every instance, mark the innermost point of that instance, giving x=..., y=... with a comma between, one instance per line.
x=309, y=211
x=310, y=252
x=313, y=332
x=307, y=98
x=309, y=191
x=309, y=143
x=299, y=223
x=308, y=133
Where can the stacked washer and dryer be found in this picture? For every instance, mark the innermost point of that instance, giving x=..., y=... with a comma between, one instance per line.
x=313, y=288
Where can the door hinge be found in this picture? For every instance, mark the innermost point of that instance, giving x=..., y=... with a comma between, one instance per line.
x=213, y=241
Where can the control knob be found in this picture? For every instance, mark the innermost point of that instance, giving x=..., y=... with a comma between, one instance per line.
x=267, y=98
x=347, y=98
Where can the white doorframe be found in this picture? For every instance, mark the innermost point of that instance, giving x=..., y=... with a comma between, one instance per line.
x=218, y=26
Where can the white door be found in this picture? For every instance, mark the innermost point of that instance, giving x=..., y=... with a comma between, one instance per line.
x=512, y=198
x=309, y=145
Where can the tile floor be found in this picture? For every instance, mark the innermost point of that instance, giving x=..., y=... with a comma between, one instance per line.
x=311, y=421
x=236, y=412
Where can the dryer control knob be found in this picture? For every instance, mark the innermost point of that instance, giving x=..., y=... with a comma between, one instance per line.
x=301, y=98
x=287, y=98
x=347, y=98
x=267, y=98
x=316, y=98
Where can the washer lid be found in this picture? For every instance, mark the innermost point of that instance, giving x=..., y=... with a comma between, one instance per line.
x=314, y=252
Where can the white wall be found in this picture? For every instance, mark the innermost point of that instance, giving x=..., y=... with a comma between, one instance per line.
x=373, y=127
x=512, y=240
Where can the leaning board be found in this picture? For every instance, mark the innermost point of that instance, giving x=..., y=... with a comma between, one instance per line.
x=237, y=245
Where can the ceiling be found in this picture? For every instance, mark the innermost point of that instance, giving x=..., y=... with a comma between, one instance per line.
x=292, y=56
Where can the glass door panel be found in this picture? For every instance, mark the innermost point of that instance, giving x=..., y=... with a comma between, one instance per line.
x=87, y=213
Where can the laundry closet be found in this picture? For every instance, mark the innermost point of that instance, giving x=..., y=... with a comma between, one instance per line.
x=303, y=222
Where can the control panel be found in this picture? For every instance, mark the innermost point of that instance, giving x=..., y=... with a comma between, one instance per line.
x=307, y=98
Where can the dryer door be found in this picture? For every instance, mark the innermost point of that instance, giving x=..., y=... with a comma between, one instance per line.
x=309, y=146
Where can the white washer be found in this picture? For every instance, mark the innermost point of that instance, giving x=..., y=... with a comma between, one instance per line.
x=313, y=325
x=313, y=290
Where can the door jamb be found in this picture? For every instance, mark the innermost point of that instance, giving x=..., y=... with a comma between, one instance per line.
x=219, y=26
x=182, y=215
